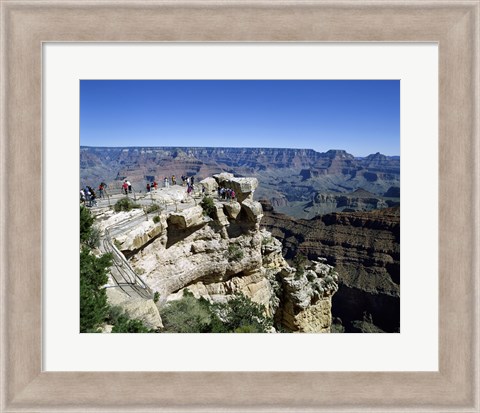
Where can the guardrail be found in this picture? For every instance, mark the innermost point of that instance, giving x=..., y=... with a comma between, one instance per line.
x=126, y=279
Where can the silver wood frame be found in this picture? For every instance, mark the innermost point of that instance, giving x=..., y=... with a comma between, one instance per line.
x=25, y=25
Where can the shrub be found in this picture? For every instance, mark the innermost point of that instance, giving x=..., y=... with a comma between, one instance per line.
x=267, y=240
x=125, y=204
x=241, y=313
x=152, y=208
x=247, y=329
x=235, y=253
x=156, y=219
x=187, y=315
x=300, y=262
x=208, y=207
x=156, y=297
x=127, y=325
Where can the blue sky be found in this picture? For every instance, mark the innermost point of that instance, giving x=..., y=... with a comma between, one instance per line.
x=360, y=116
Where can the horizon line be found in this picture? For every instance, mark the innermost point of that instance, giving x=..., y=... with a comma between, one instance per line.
x=231, y=147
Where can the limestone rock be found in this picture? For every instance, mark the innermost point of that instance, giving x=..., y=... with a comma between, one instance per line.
x=187, y=218
x=253, y=210
x=220, y=216
x=136, y=308
x=243, y=187
x=210, y=185
x=316, y=318
x=141, y=234
x=223, y=177
x=307, y=295
x=232, y=209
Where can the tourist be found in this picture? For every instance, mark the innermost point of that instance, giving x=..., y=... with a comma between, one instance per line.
x=125, y=187
x=174, y=181
x=82, y=197
x=165, y=181
x=100, y=191
x=233, y=195
x=148, y=187
x=155, y=185
x=91, y=196
x=129, y=187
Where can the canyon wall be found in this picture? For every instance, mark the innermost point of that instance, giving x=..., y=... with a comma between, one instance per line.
x=364, y=247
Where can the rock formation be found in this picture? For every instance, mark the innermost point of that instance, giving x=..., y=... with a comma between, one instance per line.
x=364, y=247
x=224, y=252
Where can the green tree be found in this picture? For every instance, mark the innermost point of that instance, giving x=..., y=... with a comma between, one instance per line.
x=93, y=297
x=86, y=224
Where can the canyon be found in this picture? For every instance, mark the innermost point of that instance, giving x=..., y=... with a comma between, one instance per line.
x=335, y=209
x=299, y=182
x=364, y=247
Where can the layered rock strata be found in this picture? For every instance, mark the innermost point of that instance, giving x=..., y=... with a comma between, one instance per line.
x=225, y=252
x=364, y=247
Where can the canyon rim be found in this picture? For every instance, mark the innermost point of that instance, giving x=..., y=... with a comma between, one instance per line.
x=229, y=236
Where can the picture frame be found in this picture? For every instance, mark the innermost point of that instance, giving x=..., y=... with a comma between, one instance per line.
x=25, y=25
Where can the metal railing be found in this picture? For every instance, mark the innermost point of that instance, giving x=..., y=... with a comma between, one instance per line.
x=124, y=276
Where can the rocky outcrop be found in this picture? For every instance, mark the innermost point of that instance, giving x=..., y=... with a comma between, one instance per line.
x=307, y=298
x=218, y=255
x=210, y=185
x=243, y=187
x=191, y=217
x=364, y=247
x=136, y=308
x=140, y=235
x=232, y=209
x=253, y=211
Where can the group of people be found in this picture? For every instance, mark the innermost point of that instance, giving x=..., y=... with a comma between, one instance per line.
x=226, y=193
x=151, y=186
x=88, y=196
x=188, y=180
